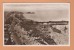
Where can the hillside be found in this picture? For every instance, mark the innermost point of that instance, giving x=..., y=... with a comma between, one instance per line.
x=21, y=31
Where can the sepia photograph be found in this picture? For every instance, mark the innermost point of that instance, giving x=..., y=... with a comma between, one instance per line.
x=38, y=24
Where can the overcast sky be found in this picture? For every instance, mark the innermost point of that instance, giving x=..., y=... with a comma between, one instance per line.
x=43, y=12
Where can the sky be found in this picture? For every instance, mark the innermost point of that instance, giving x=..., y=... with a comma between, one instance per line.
x=43, y=11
